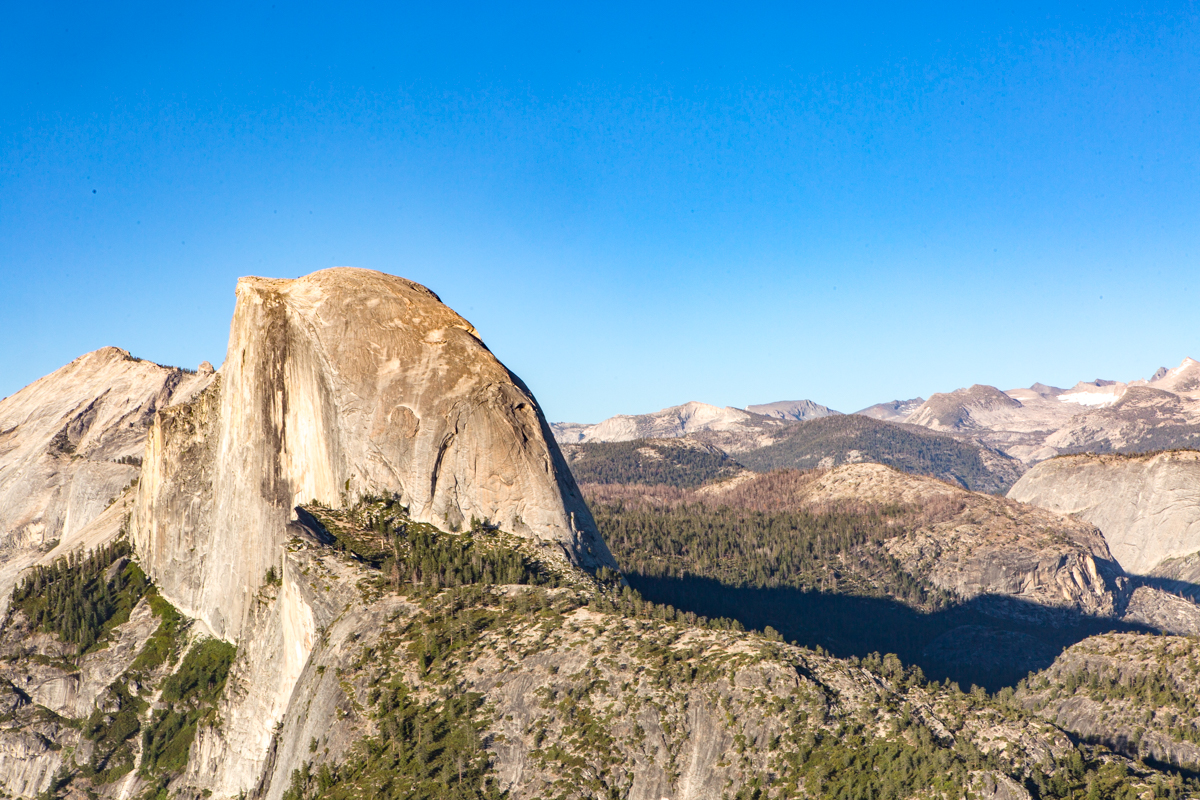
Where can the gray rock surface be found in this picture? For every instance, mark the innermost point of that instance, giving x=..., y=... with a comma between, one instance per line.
x=1148, y=506
x=1163, y=611
x=45, y=689
x=1179, y=576
x=344, y=383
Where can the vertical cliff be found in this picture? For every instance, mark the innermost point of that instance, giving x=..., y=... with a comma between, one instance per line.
x=339, y=384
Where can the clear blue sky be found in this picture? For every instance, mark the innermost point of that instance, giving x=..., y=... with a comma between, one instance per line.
x=635, y=207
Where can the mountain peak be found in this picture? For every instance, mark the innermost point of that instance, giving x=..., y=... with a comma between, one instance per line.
x=341, y=384
x=1184, y=378
x=892, y=411
x=736, y=428
x=963, y=408
x=792, y=410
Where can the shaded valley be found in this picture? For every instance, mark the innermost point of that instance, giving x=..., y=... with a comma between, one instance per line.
x=861, y=560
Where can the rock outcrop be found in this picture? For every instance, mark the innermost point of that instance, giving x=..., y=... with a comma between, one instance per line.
x=1159, y=610
x=975, y=545
x=70, y=443
x=342, y=384
x=1014, y=559
x=1133, y=693
x=1147, y=506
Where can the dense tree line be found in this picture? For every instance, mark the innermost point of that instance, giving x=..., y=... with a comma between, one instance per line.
x=75, y=597
x=426, y=556
x=414, y=554
x=425, y=750
x=189, y=698
x=822, y=550
x=649, y=462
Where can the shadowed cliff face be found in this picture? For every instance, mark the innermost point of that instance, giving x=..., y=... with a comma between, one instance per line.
x=344, y=383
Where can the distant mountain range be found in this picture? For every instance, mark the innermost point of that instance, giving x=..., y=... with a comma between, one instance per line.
x=1096, y=416
x=982, y=437
x=851, y=439
x=732, y=429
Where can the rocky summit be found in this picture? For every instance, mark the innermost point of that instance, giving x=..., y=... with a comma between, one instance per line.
x=337, y=385
x=353, y=562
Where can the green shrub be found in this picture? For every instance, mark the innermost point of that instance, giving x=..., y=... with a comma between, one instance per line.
x=190, y=696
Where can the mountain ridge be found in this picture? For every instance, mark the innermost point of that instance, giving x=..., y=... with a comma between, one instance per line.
x=1029, y=424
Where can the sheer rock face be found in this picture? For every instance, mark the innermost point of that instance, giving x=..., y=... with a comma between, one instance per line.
x=344, y=383
x=1148, y=507
x=69, y=445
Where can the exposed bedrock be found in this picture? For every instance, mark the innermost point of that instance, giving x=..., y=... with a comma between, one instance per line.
x=344, y=383
x=1148, y=506
x=70, y=444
